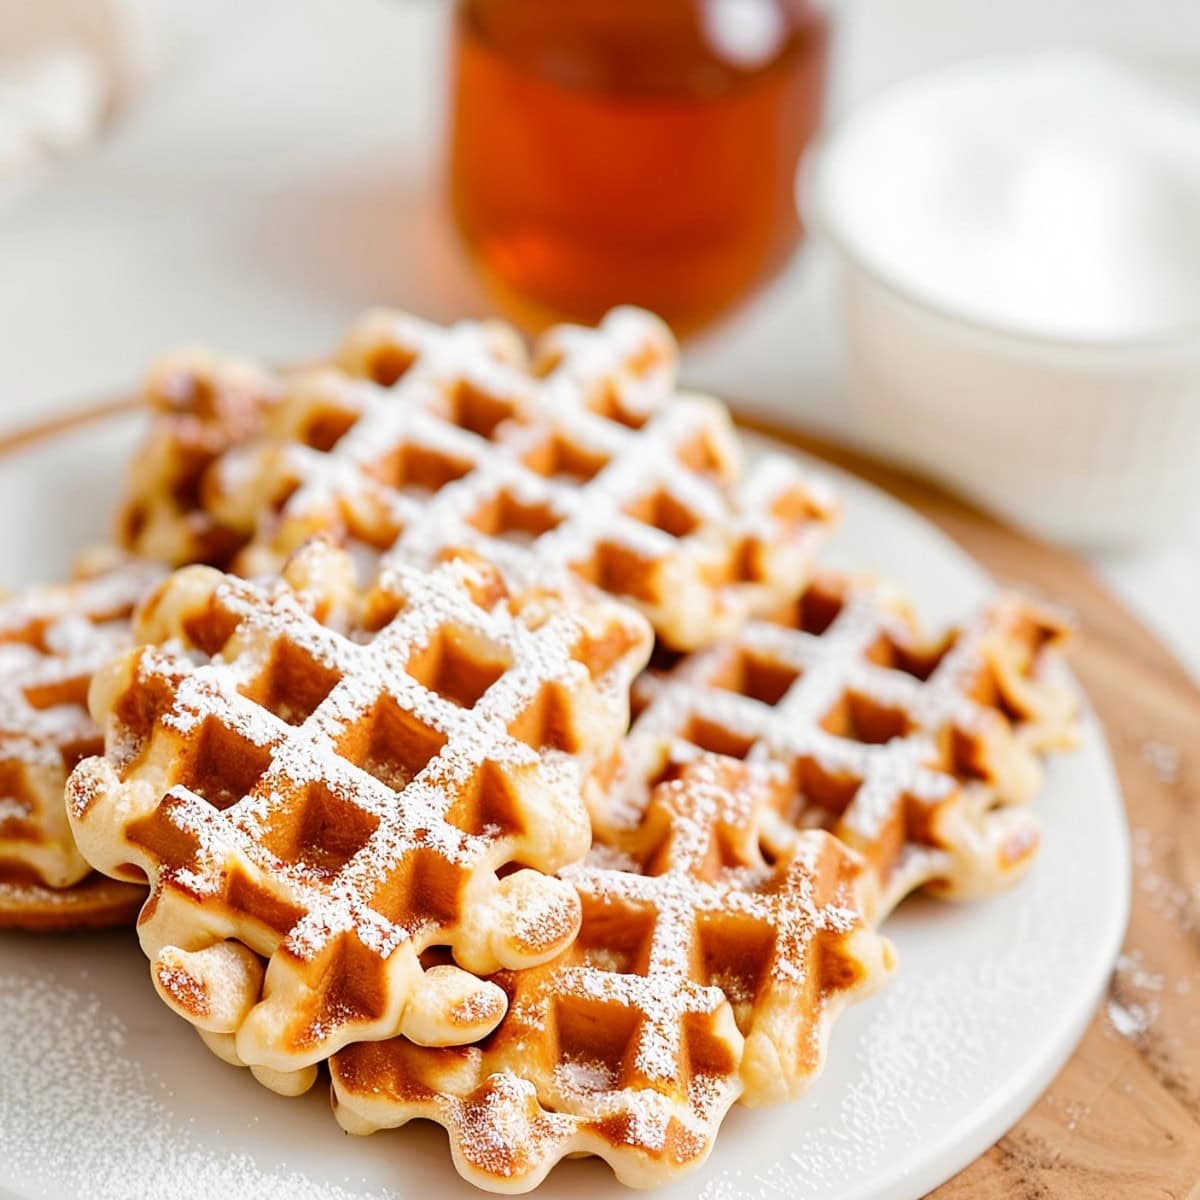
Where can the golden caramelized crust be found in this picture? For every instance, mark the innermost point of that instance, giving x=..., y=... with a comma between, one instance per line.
x=52, y=639
x=322, y=780
x=94, y=902
x=919, y=752
x=201, y=404
x=703, y=972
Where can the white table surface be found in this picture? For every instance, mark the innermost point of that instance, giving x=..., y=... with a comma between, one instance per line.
x=281, y=173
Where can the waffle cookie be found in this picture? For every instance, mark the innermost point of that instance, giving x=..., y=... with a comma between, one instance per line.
x=583, y=464
x=703, y=972
x=573, y=468
x=52, y=640
x=918, y=752
x=323, y=781
x=203, y=404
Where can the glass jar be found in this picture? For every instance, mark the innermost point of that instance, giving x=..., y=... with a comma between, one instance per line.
x=632, y=151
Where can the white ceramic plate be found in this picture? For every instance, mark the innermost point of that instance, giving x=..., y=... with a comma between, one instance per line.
x=105, y=1094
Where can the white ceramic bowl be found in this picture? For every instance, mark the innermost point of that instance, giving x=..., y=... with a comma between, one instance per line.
x=1094, y=442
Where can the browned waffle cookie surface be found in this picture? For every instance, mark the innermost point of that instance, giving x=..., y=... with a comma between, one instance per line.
x=52, y=640
x=703, y=972
x=201, y=404
x=919, y=752
x=323, y=781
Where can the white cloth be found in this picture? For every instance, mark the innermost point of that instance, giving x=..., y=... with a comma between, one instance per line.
x=66, y=66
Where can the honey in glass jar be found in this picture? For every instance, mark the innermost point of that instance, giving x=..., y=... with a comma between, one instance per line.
x=632, y=151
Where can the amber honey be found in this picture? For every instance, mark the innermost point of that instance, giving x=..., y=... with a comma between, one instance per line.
x=640, y=151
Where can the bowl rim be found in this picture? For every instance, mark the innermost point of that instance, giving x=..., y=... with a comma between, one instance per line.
x=813, y=188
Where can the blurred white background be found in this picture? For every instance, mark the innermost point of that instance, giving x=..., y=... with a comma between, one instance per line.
x=279, y=171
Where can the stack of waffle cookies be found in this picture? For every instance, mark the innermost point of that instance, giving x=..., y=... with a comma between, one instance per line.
x=474, y=727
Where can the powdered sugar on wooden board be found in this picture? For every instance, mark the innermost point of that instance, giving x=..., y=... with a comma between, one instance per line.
x=1139, y=989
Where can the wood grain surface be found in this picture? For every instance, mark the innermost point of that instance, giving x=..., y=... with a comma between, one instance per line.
x=1122, y=1120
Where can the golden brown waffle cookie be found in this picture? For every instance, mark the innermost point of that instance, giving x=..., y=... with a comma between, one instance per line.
x=204, y=404
x=703, y=972
x=583, y=467
x=916, y=751
x=52, y=640
x=581, y=464
x=334, y=780
x=93, y=903
x=201, y=405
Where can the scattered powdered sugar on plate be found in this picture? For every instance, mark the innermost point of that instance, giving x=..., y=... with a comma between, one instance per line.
x=78, y=1115
x=86, y=1112
x=917, y=1051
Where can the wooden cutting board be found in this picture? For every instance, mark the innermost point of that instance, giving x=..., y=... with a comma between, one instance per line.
x=1123, y=1117
x=1122, y=1120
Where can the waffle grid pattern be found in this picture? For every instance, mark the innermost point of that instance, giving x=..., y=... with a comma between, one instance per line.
x=361, y=773
x=334, y=779
x=702, y=973
x=584, y=464
x=52, y=640
x=919, y=753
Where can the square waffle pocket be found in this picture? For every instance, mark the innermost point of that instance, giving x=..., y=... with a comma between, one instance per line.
x=921, y=753
x=52, y=640
x=704, y=972
x=322, y=782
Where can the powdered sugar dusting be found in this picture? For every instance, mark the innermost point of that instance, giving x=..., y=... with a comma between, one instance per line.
x=53, y=639
x=284, y=721
x=979, y=989
x=869, y=658
x=1135, y=997
x=708, y=800
x=691, y=944
x=1164, y=760
x=747, y=1161
x=1168, y=898
x=1130, y=1019
x=592, y=465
